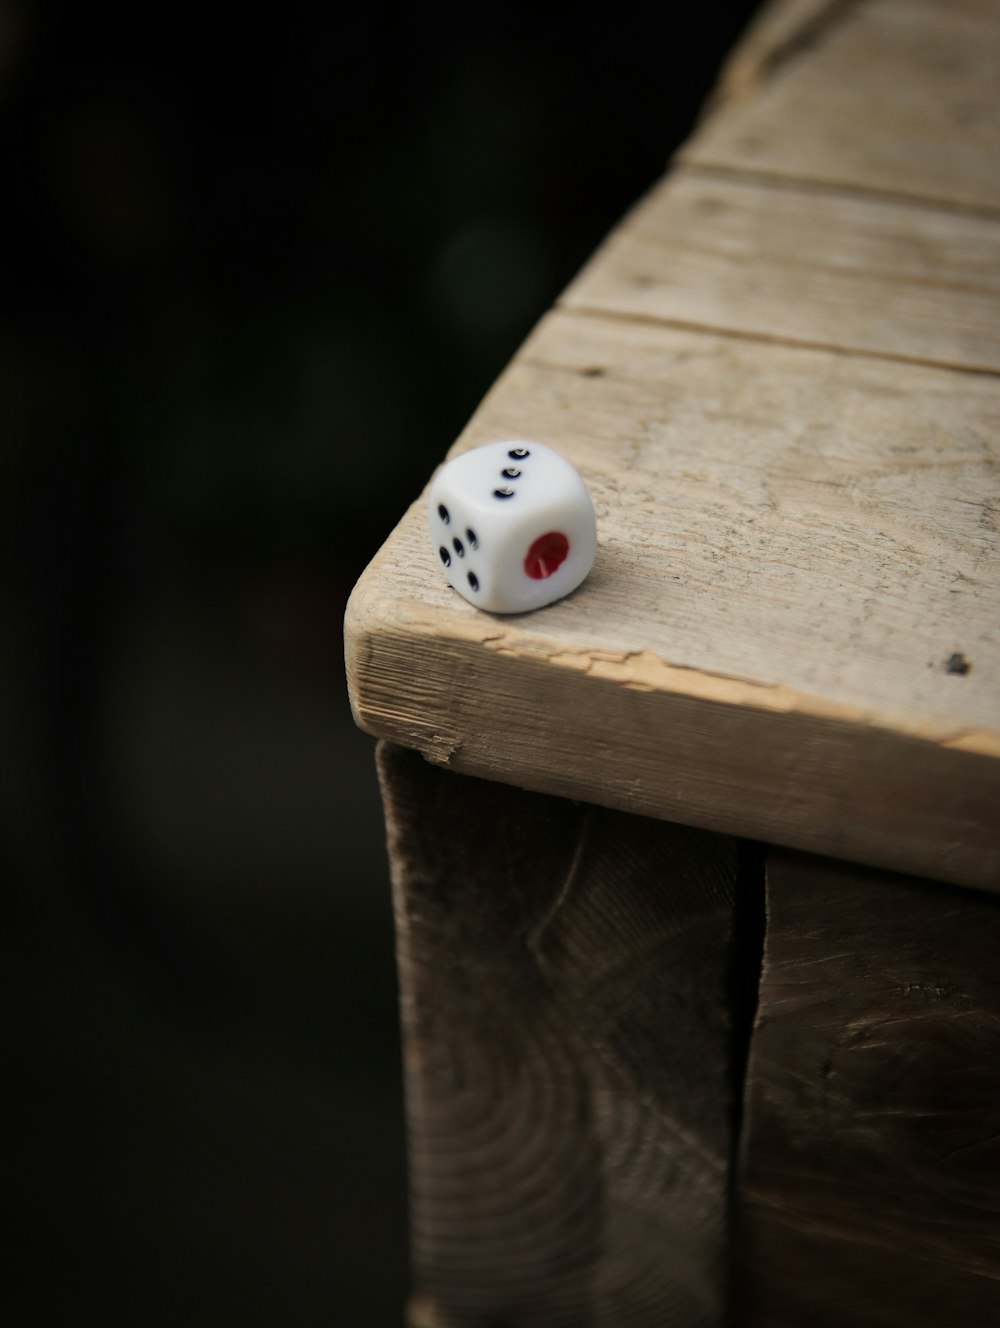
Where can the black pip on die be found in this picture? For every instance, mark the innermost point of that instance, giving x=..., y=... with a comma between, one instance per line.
x=512, y=525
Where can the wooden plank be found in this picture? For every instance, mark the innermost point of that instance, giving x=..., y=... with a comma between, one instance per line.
x=793, y=544
x=899, y=95
x=871, y=1169
x=805, y=265
x=777, y=32
x=566, y=977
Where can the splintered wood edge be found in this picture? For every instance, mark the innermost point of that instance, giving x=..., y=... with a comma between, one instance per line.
x=636, y=733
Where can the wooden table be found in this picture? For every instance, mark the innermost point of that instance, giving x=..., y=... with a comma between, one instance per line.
x=664, y=1062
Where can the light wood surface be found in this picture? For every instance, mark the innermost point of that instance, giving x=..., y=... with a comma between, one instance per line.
x=777, y=32
x=783, y=396
x=889, y=96
x=806, y=265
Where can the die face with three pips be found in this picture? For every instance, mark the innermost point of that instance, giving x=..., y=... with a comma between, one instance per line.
x=512, y=525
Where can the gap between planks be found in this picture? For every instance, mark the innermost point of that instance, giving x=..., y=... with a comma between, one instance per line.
x=760, y=338
x=778, y=180
x=802, y=267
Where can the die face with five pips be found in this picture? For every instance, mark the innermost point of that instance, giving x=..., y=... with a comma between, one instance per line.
x=512, y=526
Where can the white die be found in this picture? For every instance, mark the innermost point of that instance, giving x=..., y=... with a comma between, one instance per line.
x=512, y=525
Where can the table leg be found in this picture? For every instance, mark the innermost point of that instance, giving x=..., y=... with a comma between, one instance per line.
x=568, y=981
x=870, y=1190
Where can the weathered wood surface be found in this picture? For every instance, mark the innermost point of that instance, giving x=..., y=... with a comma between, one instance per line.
x=870, y=1188
x=805, y=265
x=787, y=409
x=778, y=31
x=763, y=644
x=567, y=977
x=888, y=96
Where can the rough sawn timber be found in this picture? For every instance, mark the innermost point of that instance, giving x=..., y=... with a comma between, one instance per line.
x=805, y=265
x=780, y=380
x=793, y=545
x=567, y=976
x=881, y=96
x=871, y=1153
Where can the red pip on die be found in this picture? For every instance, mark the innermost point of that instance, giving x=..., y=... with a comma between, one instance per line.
x=512, y=525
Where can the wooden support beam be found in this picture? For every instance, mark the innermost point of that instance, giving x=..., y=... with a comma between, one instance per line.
x=568, y=976
x=870, y=1178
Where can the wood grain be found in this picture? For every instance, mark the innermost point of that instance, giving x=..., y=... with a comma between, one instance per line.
x=894, y=96
x=778, y=31
x=567, y=982
x=779, y=379
x=805, y=265
x=871, y=1167
x=792, y=545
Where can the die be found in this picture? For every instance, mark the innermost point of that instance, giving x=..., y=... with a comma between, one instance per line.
x=512, y=525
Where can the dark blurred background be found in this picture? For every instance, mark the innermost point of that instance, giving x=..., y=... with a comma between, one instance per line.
x=259, y=265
